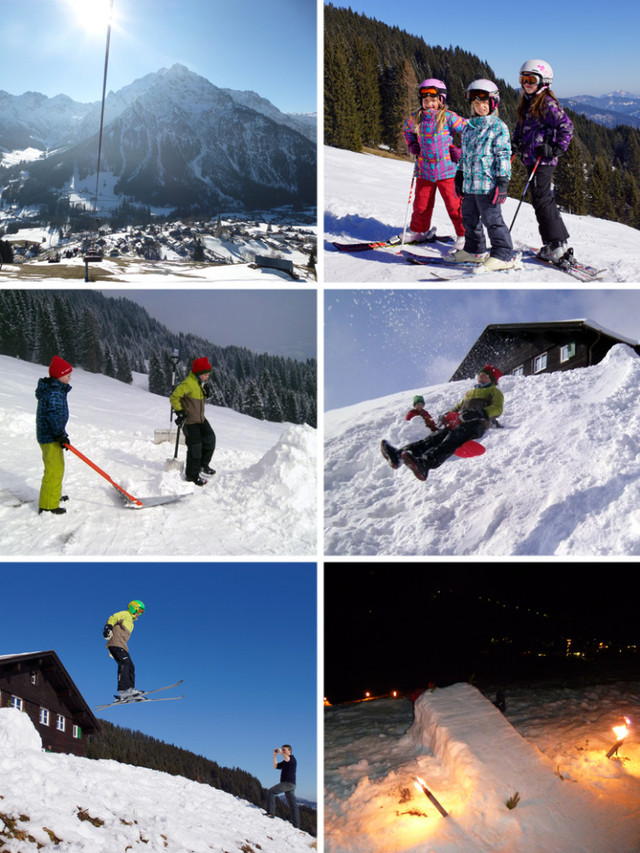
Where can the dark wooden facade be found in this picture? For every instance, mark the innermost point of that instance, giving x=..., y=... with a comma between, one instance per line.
x=38, y=684
x=532, y=348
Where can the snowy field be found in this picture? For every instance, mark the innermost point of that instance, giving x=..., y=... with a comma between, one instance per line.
x=64, y=803
x=562, y=478
x=366, y=198
x=551, y=749
x=262, y=501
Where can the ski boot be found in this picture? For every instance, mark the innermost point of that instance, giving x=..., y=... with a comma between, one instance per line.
x=554, y=251
x=419, y=469
x=462, y=257
x=390, y=453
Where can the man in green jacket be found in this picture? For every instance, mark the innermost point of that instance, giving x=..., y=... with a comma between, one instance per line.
x=116, y=632
x=188, y=402
x=469, y=419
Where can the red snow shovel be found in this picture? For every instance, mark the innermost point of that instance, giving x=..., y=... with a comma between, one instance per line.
x=135, y=503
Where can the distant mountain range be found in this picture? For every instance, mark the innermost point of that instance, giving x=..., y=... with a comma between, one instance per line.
x=609, y=110
x=171, y=139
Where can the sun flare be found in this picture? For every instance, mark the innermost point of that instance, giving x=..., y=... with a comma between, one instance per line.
x=91, y=16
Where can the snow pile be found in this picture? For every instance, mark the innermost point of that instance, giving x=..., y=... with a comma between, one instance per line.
x=366, y=198
x=551, y=753
x=561, y=478
x=61, y=802
x=262, y=500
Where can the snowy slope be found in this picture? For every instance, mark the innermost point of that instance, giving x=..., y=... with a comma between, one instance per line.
x=551, y=749
x=366, y=198
x=65, y=803
x=261, y=501
x=562, y=478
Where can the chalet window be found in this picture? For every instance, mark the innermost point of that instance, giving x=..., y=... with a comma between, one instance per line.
x=567, y=351
x=44, y=716
x=17, y=702
x=540, y=362
x=60, y=723
x=518, y=371
x=77, y=732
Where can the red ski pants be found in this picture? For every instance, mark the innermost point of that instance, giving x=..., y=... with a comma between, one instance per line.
x=425, y=200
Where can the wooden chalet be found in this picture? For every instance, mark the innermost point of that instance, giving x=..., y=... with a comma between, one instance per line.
x=38, y=684
x=525, y=349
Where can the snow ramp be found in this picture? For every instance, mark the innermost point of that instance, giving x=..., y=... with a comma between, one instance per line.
x=488, y=763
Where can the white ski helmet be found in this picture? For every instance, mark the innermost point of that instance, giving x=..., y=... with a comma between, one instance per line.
x=541, y=69
x=437, y=85
x=487, y=86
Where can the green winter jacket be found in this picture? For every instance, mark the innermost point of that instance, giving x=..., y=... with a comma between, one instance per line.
x=122, y=623
x=488, y=400
x=188, y=397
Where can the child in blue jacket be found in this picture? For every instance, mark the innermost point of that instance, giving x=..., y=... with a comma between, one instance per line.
x=482, y=180
x=52, y=415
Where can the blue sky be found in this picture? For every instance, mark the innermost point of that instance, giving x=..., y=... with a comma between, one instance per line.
x=269, y=47
x=384, y=341
x=592, y=47
x=279, y=322
x=242, y=636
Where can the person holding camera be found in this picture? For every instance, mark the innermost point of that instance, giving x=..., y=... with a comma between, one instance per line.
x=287, y=784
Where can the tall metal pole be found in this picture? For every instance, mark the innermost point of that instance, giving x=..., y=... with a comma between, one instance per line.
x=104, y=92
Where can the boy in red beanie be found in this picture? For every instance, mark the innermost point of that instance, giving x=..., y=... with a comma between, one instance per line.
x=188, y=401
x=52, y=415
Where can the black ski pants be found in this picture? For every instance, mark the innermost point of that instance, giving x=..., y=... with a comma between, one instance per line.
x=477, y=211
x=439, y=446
x=126, y=669
x=550, y=222
x=201, y=444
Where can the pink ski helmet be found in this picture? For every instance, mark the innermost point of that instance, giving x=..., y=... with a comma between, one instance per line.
x=434, y=87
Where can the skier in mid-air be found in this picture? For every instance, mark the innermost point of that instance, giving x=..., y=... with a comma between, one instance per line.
x=117, y=631
x=469, y=419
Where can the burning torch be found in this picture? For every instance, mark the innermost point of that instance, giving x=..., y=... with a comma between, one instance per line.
x=620, y=732
x=421, y=785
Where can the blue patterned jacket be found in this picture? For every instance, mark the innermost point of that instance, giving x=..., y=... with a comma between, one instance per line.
x=52, y=413
x=486, y=154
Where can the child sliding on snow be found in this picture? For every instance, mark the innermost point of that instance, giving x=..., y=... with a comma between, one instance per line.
x=482, y=179
x=429, y=135
x=469, y=419
x=543, y=131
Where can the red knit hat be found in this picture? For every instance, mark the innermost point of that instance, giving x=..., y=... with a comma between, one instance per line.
x=201, y=365
x=493, y=372
x=59, y=367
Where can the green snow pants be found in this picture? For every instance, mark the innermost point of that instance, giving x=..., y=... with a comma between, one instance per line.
x=51, y=487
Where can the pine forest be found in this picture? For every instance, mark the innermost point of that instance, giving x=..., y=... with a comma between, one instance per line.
x=115, y=336
x=371, y=77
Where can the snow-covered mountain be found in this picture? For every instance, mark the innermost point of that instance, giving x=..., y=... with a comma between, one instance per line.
x=366, y=198
x=171, y=139
x=562, y=478
x=551, y=749
x=62, y=802
x=610, y=110
x=263, y=499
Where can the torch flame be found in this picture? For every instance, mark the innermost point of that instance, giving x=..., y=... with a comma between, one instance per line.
x=622, y=731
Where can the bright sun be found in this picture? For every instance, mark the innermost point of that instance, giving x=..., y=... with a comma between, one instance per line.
x=91, y=16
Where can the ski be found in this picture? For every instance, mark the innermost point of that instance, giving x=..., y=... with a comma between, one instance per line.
x=465, y=268
x=138, y=699
x=388, y=244
x=568, y=264
x=142, y=695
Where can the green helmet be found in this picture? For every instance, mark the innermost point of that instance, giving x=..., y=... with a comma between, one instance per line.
x=136, y=608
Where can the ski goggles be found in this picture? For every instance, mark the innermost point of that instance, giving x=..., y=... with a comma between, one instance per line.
x=531, y=79
x=479, y=95
x=429, y=93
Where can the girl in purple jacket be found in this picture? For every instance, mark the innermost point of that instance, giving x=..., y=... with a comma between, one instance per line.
x=543, y=131
x=429, y=135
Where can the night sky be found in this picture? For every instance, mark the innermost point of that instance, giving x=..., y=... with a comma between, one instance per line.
x=402, y=626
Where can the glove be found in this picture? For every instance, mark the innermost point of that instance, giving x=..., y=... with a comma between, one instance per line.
x=546, y=151
x=180, y=418
x=450, y=420
x=473, y=415
x=458, y=180
x=107, y=633
x=414, y=148
x=499, y=195
x=455, y=153
x=62, y=440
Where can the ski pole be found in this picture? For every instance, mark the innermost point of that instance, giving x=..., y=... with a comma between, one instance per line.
x=102, y=473
x=175, y=453
x=533, y=171
x=406, y=216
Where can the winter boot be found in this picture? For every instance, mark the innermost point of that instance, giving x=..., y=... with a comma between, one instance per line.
x=197, y=480
x=553, y=251
x=462, y=257
x=390, y=453
x=206, y=470
x=411, y=461
x=59, y=510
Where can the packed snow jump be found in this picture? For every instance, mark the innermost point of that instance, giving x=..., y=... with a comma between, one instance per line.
x=455, y=432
